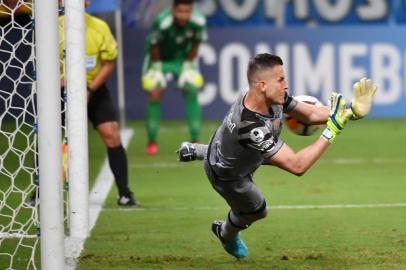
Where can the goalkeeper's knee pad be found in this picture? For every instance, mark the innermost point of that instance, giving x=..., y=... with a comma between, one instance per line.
x=153, y=79
x=190, y=80
x=246, y=219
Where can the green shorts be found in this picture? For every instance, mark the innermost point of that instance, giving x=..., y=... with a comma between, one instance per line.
x=168, y=67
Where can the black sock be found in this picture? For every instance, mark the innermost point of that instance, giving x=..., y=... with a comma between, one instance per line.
x=118, y=164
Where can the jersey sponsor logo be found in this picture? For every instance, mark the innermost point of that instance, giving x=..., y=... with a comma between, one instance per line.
x=267, y=145
x=90, y=62
x=257, y=135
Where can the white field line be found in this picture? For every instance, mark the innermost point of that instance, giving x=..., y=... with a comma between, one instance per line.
x=176, y=130
x=337, y=161
x=97, y=196
x=274, y=207
x=165, y=165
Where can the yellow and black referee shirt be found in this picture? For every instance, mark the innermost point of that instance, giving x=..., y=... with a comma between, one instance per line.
x=100, y=45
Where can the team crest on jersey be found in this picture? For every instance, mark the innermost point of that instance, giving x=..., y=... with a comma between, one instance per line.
x=179, y=39
x=189, y=34
x=91, y=61
x=257, y=135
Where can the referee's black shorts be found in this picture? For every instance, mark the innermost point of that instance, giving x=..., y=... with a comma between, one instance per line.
x=100, y=108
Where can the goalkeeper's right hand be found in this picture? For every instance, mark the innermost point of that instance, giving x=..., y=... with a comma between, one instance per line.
x=338, y=117
x=362, y=92
x=154, y=78
x=186, y=152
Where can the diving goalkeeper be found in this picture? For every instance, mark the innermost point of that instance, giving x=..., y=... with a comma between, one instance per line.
x=249, y=137
x=172, y=46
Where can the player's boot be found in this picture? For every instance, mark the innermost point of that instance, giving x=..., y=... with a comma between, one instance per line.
x=128, y=200
x=236, y=247
x=152, y=149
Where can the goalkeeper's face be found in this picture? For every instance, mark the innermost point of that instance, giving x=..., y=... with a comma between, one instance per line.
x=275, y=85
x=182, y=13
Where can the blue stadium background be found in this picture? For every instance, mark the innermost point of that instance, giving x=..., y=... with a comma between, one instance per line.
x=326, y=45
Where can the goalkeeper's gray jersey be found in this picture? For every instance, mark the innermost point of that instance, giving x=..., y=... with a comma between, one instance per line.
x=244, y=140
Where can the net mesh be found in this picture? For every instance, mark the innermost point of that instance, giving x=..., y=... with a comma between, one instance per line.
x=19, y=175
x=18, y=163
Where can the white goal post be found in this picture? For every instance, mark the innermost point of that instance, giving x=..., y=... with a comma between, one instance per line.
x=49, y=134
x=33, y=234
x=75, y=70
x=76, y=121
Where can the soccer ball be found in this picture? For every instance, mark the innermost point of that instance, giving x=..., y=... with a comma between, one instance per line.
x=298, y=127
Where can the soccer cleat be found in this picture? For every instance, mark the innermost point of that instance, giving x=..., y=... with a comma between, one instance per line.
x=152, y=149
x=128, y=201
x=236, y=247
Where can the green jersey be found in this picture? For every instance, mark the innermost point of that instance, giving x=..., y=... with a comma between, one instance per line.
x=175, y=42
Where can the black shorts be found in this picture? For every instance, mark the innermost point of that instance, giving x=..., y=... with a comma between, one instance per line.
x=100, y=108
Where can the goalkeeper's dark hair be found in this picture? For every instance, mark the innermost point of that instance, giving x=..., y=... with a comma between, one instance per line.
x=260, y=62
x=187, y=2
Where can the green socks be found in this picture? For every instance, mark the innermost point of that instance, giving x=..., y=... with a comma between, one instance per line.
x=153, y=118
x=193, y=115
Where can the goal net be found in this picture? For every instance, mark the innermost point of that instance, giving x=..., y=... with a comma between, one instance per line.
x=18, y=164
x=19, y=173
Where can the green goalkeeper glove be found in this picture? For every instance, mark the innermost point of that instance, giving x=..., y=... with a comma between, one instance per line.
x=362, y=92
x=338, y=117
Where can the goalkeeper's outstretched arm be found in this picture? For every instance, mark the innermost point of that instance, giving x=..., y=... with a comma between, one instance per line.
x=191, y=151
x=310, y=114
x=298, y=163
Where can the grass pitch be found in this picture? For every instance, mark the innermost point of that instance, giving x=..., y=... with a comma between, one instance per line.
x=359, y=185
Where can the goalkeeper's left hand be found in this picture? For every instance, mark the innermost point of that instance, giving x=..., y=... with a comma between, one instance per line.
x=190, y=78
x=338, y=118
x=362, y=92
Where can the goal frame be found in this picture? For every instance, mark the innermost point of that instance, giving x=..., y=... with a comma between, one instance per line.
x=49, y=129
x=49, y=134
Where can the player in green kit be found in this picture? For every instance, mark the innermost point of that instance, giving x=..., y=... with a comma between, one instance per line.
x=172, y=46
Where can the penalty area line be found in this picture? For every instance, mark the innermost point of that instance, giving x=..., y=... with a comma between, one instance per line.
x=272, y=207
